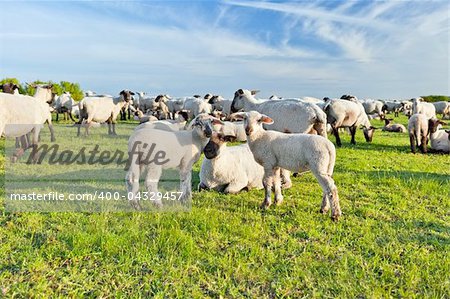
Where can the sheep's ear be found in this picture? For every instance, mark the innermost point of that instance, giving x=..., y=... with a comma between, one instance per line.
x=266, y=120
x=239, y=115
x=132, y=93
x=228, y=138
x=253, y=92
x=447, y=131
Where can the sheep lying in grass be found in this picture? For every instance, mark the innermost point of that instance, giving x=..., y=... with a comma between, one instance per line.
x=418, y=126
x=295, y=152
x=229, y=169
x=390, y=127
x=392, y=106
x=348, y=113
x=439, y=139
x=291, y=116
x=181, y=150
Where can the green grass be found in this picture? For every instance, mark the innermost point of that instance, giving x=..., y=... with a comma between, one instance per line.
x=392, y=241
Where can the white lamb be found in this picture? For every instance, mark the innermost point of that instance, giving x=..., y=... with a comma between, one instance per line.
x=290, y=116
x=423, y=108
x=295, y=152
x=195, y=106
x=229, y=169
x=443, y=108
x=180, y=150
x=439, y=139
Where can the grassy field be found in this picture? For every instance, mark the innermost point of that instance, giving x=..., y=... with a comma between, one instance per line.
x=392, y=241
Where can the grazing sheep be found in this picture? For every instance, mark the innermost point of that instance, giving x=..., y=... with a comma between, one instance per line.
x=183, y=149
x=348, y=113
x=229, y=169
x=372, y=106
x=418, y=126
x=423, y=108
x=392, y=106
x=102, y=109
x=295, y=152
x=390, y=127
x=290, y=116
x=443, y=108
x=439, y=139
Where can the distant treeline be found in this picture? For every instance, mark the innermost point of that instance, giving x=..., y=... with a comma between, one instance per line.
x=435, y=98
x=58, y=88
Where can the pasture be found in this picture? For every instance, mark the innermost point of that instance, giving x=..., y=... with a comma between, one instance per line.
x=393, y=239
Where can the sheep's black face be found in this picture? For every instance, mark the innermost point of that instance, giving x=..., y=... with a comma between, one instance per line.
x=236, y=105
x=368, y=133
x=211, y=149
x=204, y=127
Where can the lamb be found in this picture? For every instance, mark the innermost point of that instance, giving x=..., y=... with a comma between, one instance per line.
x=390, y=127
x=178, y=150
x=145, y=103
x=295, y=152
x=161, y=106
x=102, y=109
x=423, y=108
x=439, y=139
x=172, y=125
x=443, y=108
x=407, y=108
x=143, y=118
x=418, y=126
x=229, y=169
x=175, y=106
x=290, y=116
x=348, y=113
x=372, y=106
x=21, y=114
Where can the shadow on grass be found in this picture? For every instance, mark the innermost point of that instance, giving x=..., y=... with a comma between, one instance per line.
x=404, y=175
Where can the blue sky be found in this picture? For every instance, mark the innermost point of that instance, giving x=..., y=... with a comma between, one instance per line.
x=392, y=49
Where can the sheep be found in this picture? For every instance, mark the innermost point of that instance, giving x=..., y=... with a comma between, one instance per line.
x=21, y=114
x=172, y=125
x=392, y=106
x=439, y=139
x=235, y=129
x=290, y=116
x=175, y=106
x=64, y=104
x=423, y=108
x=372, y=106
x=195, y=106
x=418, y=126
x=102, y=109
x=229, y=169
x=390, y=127
x=220, y=104
x=295, y=152
x=443, y=108
x=348, y=113
x=407, y=107
x=10, y=87
x=178, y=149
x=128, y=108
x=143, y=118
x=161, y=106
x=145, y=102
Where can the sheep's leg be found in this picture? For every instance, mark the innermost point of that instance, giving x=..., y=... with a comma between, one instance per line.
x=151, y=184
x=132, y=180
x=329, y=191
x=34, y=144
x=71, y=116
x=423, y=145
x=336, y=134
x=412, y=143
x=267, y=182
x=57, y=116
x=353, y=132
x=277, y=186
x=185, y=184
x=236, y=186
x=286, y=179
x=52, y=132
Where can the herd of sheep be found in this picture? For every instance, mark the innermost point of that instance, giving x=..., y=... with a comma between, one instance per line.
x=282, y=135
